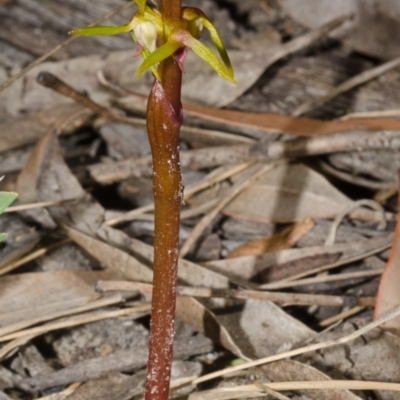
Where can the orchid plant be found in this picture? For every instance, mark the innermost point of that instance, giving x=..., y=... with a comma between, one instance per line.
x=163, y=37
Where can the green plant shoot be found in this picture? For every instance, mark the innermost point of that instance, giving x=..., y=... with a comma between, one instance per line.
x=6, y=198
x=163, y=38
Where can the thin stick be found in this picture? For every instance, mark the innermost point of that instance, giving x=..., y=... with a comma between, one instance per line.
x=351, y=83
x=31, y=206
x=371, y=114
x=276, y=297
x=341, y=316
x=45, y=56
x=32, y=256
x=74, y=321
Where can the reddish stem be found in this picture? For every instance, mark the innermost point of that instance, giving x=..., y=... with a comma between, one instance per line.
x=164, y=117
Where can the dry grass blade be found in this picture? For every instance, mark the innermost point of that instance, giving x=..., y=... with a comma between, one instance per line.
x=31, y=206
x=341, y=316
x=77, y=320
x=32, y=256
x=301, y=350
x=322, y=279
x=249, y=391
x=50, y=316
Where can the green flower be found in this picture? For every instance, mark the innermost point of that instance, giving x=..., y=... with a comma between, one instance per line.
x=147, y=27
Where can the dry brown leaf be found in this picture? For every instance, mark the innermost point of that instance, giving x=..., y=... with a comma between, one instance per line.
x=285, y=194
x=19, y=131
x=288, y=124
x=246, y=267
x=261, y=328
x=285, y=239
x=371, y=31
x=60, y=291
x=389, y=288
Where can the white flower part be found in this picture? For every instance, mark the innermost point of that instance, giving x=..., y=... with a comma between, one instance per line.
x=146, y=34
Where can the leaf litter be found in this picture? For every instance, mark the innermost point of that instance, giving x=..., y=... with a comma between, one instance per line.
x=257, y=282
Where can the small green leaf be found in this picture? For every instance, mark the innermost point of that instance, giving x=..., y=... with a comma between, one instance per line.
x=6, y=198
x=159, y=55
x=217, y=40
x=209, y=57
x=101, y=30
x=2, y=236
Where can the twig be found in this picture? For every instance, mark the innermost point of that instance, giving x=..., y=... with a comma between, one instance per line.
x=351, y=83
x=341, y=316
x=262, y=151
x=74, y=321
x=52, y=315
x=371, y=114
x=51, y=81
x=31, y=206
x=59, y=47
x=285, y=299
x=32, y=256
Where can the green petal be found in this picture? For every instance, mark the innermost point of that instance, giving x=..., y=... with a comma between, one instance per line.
x=217, y=40
x=159, y=55
x=209, y=57
x=101, y=30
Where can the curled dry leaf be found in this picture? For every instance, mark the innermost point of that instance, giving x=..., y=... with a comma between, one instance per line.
x=388, y=293
x=285, y=239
